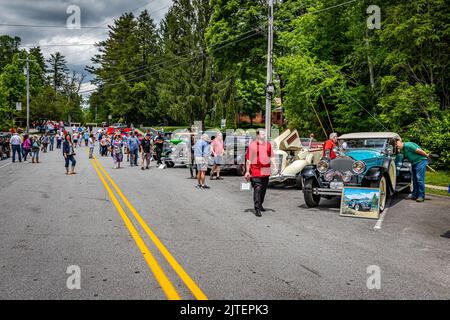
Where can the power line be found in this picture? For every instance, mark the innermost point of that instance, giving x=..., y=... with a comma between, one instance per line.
x=142, y=68
x=49, y=26
x=177, y=64
x=100, y=26
x=91, y=38
x=320, y=10
x=57, y=45
x=113, y=19
x=285, y=20
x=258, y=32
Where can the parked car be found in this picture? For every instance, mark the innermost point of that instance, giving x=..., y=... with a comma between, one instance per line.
x=5, y=150
x=119, y=126
x=292, y=154
x=235, y=148
x=180, y=146
x=367, y=159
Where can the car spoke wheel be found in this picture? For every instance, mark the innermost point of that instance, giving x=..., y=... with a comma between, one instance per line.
x=357, y=207
x=311, y=200
x=382, y=185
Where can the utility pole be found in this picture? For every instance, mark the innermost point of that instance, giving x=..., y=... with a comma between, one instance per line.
x=27, y=73
x=28, y=95
x=269, y=85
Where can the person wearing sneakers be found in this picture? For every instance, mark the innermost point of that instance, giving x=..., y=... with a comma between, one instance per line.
x=201, y=152
x=419, y=161
x=146, y=149
x=69, y=153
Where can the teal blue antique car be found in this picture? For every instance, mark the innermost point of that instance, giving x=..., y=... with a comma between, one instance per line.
x=360, y=204
x=365, y=159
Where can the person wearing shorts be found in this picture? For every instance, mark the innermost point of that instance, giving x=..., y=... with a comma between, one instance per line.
x=217, y=152
x=201, y=160
x=75, y=139
x=146, y=148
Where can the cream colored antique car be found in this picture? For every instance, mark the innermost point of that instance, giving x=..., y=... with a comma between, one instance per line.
x=292, y=154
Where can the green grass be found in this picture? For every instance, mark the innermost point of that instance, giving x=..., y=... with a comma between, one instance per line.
x=440, y=178
x=437, y=192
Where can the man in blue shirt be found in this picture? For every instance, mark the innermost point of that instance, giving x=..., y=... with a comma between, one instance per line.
x=133, y=146
x=201, y=152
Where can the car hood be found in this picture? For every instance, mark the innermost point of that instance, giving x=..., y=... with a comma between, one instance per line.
x=363, y=154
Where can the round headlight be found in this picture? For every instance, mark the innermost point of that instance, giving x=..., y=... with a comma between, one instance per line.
x=347, y=176
x=358, y=167
x=322, y=166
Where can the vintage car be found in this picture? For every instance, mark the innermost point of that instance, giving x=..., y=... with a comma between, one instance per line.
x=367, y=159
x=235, y=147
x=5, y=149
x=360, y=205
x=180, y=148
x=292, y=154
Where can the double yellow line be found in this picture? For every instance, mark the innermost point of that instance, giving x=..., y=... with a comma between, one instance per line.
x=156, y=269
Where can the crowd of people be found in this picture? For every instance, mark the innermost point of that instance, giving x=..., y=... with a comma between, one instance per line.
x=144, y=148
x=133, y=145
x=23, y=147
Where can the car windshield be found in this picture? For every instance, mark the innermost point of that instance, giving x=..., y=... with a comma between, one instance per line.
x=307, y=142
x=363, y=144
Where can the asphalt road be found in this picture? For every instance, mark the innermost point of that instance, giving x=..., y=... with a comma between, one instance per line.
x=50, y=221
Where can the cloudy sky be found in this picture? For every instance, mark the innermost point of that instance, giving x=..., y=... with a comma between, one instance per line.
x=44, y=23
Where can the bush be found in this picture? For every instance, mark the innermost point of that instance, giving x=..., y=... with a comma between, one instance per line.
x=433, y=135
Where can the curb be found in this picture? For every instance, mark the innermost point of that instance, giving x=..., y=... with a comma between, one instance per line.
x=436, y=187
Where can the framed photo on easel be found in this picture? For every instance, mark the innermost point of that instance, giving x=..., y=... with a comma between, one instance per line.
x=360, y=202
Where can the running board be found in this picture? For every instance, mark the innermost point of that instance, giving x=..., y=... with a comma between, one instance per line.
x=402, y=187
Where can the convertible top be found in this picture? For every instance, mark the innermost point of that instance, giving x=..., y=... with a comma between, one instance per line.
x=370, y=135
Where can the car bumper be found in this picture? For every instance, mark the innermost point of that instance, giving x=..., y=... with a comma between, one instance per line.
x=280, y=178
x=327, y=192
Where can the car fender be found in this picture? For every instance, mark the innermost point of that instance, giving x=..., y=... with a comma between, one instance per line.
x=310, y=172
x=375, y=174
x=295, y=168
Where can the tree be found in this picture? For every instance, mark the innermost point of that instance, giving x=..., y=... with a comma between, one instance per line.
x=238, y=47
x=8, y=47
x=57, y=71
x=38, y=57
x=187, y=86
x=124, y=75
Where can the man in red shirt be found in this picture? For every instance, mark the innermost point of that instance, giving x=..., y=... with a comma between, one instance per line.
x=259, y=156
x=328, y=151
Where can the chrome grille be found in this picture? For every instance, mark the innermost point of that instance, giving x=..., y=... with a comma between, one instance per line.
x=341, y=164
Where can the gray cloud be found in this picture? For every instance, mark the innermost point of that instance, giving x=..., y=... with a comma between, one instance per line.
x=53, y=12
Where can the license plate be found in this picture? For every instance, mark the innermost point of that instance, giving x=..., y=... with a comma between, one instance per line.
x=336, y=185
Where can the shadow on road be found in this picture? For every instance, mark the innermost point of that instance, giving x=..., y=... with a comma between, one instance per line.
x=446, y=235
